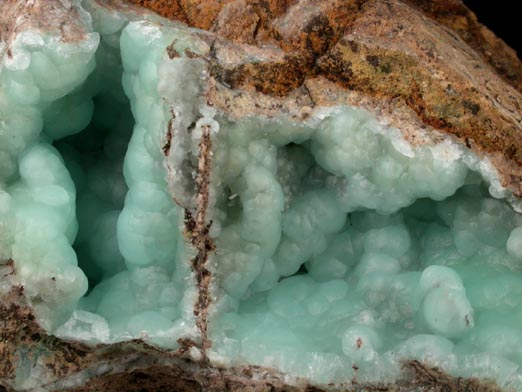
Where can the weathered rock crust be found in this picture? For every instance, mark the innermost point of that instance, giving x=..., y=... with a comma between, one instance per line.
x=418, y=65
x=428, y=68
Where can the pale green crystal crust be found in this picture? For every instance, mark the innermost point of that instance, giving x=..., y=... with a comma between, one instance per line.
x=341, y=250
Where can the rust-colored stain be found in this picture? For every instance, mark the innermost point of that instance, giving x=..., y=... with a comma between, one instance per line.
x=415, y=65
x=449, y=13
x=169, y=9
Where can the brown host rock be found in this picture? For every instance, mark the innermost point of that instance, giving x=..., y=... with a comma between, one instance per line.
x=427, y=68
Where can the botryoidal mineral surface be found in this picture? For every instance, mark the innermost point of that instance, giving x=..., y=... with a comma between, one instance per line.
x=258, y=195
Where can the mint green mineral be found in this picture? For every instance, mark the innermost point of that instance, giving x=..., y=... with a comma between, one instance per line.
x=339, y=246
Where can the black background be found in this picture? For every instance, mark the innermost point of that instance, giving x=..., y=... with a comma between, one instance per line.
x=502, y=18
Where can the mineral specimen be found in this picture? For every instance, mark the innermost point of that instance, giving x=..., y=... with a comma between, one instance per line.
x=258, y=195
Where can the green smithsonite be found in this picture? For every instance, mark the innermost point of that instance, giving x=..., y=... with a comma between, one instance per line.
x=341, y=249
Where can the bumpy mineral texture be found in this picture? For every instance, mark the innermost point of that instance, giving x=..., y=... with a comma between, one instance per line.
x=452, y=74
x=258, y=195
